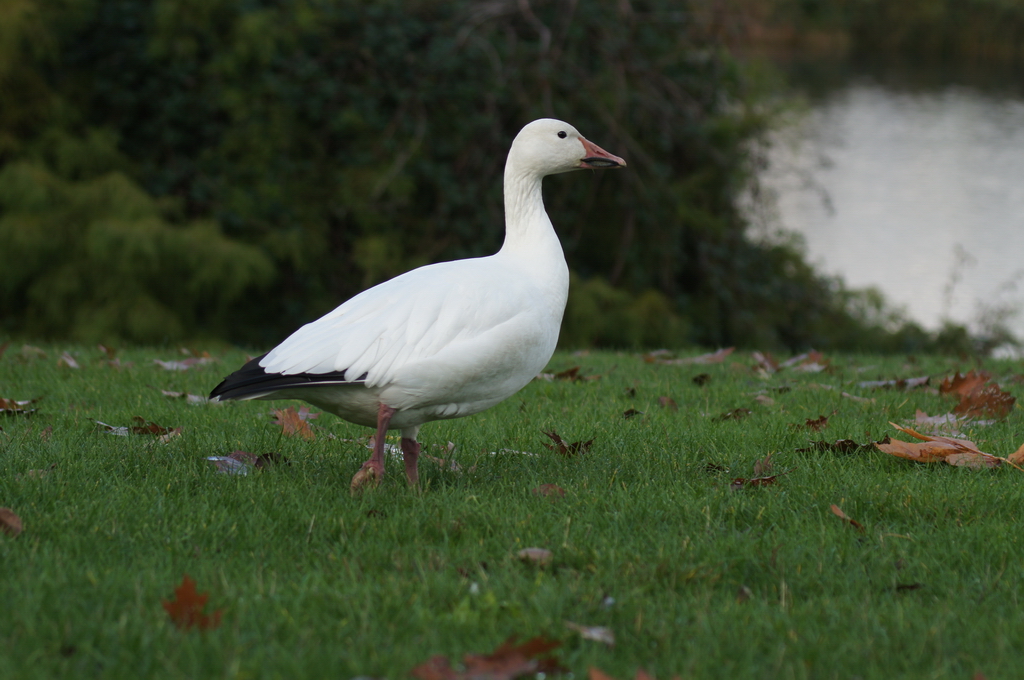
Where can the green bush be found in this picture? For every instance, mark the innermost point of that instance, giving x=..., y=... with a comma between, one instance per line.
x=164, y=160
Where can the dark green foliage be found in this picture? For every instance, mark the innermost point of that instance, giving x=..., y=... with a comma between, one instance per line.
x=343, y=142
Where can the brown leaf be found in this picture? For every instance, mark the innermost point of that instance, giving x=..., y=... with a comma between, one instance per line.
x=701, y=379
x=631, y=413
x=184, y=364
x=1017, y=457
x=539, y=556
x=294, y=422
x=12, y=407
x=986, y=401
x=764, y=361
x=897, y=384
x=3, y=348
x=596, y=633
x=841, y=446
x=964, y=384
x=669, y=403
x=763, y=466
x=566, y=449
x=186, y=609
x=143, y=426
x=67, y=360
x=931, y=449
x=837, y=511
x=818, y=424
x=10, y=523
x=549, y=490
x=506, y=662
x=712, y=358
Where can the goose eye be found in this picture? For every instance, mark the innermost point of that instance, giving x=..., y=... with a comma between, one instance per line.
x=561, y=134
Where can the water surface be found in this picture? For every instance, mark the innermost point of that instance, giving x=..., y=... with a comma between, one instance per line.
x=919, y=194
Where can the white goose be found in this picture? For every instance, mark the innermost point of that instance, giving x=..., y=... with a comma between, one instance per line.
x=445, y=340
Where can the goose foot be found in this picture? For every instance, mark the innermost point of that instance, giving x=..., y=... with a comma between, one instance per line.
x=372, y=470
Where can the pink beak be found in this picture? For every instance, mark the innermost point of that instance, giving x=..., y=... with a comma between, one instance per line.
x=597, y=158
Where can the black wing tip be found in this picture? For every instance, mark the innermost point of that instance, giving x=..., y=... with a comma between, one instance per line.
x=252, y=380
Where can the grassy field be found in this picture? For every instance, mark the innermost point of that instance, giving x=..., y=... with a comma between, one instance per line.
x=650, y=540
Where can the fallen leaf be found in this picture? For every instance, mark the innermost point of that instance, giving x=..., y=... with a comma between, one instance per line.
x=837, y=511
x=701, y=379
x=847, y=395
x=566, y=449
x=183, y=364
x=595, y=633
x=964, y=384
x=764, y=362
x=816, y=425
x=764, y=399
x=932, y=449
x=987, y=401
x=189, y=398
x=712, y=358
x=13, y=407
x=810, y=362
x=506, y=662
x=294, y=422
x=630, y=413
x=539, y=556
x=763, y=466
x=549, y=490
x=946, y=424
x=904, y=587
x=67, y=360
x=841, y=446
x=897, y=384
x=3, y=348
x=669, y=403
x=241, y=462
x=186, y=609
x=142, y=426
x=10, y=523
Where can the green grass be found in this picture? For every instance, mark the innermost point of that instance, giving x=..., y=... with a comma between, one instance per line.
x=315, y=583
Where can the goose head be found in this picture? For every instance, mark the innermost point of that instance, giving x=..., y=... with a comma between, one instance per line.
x=548, y=147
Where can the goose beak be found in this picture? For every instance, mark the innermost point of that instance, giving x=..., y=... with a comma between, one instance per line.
x=597, y=158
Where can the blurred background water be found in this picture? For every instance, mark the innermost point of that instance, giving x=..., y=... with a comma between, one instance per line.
x=918, y=192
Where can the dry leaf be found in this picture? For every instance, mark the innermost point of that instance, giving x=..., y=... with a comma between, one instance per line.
x=701, y=379
x=186, y=609
x=189, y=398
x=12, y=407
x=763, y=466
x=539, y=556
x=596, y=633
x=10, y=523
x=841, y=446
x=712, y=358
x=932, y=449
x=241, y=462
x=184, y=364
x=67, y=360
x=818, y=424
x=630, y=413
x=837, y=511
x=977, y=398
x=566, y=449
x=897, y=384
x=294, y=422
x=506, y=662
x=669, y=403
x=142, y=426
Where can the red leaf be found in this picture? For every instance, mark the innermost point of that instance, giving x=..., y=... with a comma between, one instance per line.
x=506, y=662
x=566, y=449
x=294, y=422
x=186, y=609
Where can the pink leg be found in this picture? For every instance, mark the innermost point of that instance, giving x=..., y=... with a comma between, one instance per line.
x=373, y=470
x=410, y=454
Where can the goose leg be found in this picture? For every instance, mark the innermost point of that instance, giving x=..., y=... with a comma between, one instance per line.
x=411, y=454
x=373, y=469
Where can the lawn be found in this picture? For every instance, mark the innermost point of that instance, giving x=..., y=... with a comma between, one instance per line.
x=651, y=539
